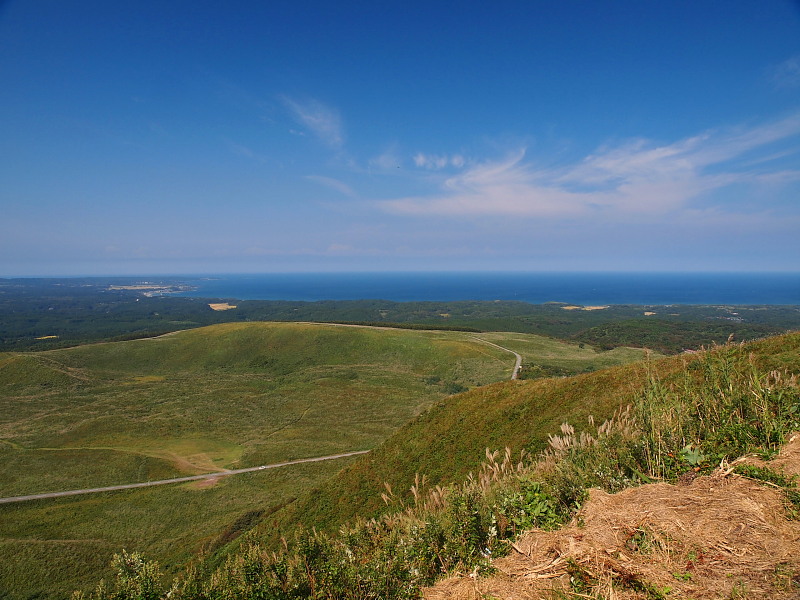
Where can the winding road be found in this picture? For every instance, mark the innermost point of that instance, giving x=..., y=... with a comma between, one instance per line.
x=517, y=365
x=225, y=473
x=514, y=373
x=129, y=486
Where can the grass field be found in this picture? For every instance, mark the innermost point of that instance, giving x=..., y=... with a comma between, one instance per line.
x=226, y=396
x=51, y=547
x=545, y=356
x=448, y=442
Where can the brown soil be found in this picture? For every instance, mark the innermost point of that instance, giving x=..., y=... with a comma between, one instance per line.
x=721, y=536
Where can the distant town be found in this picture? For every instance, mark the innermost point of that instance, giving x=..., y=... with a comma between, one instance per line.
x=152, y=290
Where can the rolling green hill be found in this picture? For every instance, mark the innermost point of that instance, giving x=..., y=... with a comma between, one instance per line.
x=448, y=441
x=226, y=396
x=690, y=414
x=232, y=395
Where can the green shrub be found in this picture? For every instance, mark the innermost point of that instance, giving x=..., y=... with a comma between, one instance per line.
x=136, y=579
x=525, y=508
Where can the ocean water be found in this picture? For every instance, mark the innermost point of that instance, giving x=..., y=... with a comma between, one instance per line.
x=575, y=288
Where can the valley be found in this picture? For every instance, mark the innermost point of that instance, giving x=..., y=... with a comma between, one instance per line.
x=225, y=397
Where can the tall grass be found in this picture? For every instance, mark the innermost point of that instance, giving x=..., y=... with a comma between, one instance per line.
x=722, y=408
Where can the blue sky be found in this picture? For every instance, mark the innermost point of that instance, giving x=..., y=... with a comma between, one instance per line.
x=205, y=137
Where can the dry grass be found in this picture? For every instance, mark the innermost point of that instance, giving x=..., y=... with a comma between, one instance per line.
x=719, y=536
x=787, y=461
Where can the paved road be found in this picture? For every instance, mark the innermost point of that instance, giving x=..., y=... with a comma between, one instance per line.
x=176, y=479
x=514, y=373
x=517, y=365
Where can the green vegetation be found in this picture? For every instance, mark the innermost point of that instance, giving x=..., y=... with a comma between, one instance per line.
x=231, y=395
x=672, y=336
x=243, y=394
x=51, y=547
x=437, y=530
x=52, y=313
x=227, y=396
x=544, y=358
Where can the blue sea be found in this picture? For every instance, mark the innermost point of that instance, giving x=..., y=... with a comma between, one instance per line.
x=575, y=288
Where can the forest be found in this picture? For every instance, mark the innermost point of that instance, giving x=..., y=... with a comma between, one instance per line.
x=54, y=313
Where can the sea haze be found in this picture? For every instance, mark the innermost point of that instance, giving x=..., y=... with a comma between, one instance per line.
x=536, y=288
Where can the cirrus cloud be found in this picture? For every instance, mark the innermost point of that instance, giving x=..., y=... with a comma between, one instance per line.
x=787, y=73
x=321, y=120
x=635, y=177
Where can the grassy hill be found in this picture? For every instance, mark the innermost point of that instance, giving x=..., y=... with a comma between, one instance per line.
x=690, y=415
x=231, y=395
x=449, y=441
x=226, y=396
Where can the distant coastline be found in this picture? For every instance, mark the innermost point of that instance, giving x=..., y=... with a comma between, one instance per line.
x=582, y=289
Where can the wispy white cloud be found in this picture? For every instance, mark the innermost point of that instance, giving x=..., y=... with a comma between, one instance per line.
x=787, y=73
x=633, y=178
x=245, y=151
x=335, y=184
x=507, y=187
x=321, y=120
x=388, y=159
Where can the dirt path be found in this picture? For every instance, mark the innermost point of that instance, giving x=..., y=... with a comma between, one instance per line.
x=517, y=365
x=129, y=486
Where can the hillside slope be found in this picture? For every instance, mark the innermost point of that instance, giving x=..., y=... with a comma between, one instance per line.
x=708, y=524
x=449, y=441
x=199, y=401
